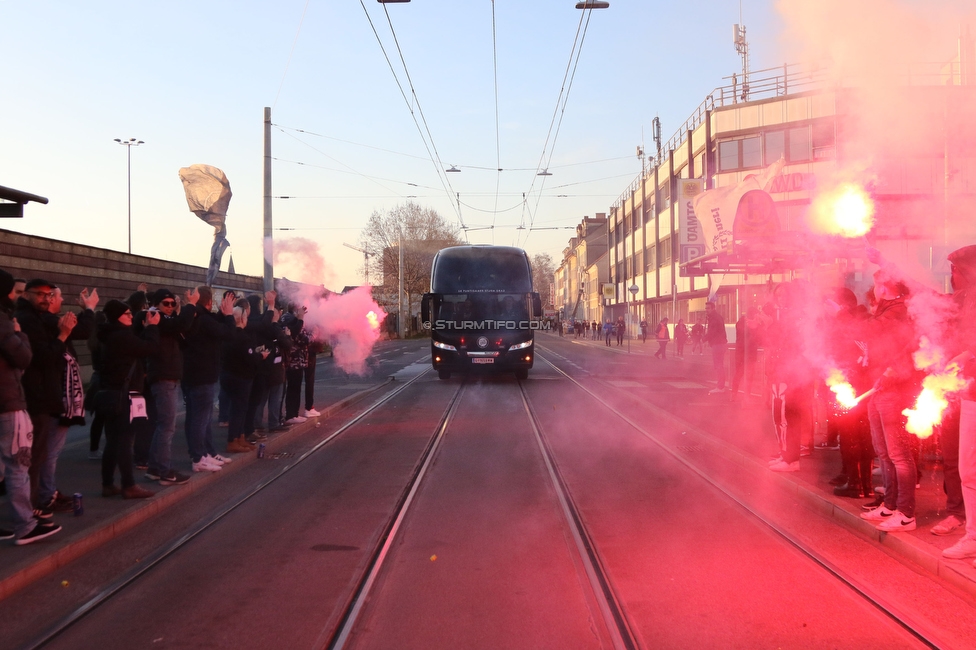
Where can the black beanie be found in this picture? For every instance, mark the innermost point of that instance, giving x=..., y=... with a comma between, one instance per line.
x=115, y=308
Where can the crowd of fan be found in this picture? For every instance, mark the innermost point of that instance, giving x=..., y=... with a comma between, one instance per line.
x=149, y=354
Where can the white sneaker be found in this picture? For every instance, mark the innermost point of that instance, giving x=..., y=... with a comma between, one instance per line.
x=965, y=547
x=878, y=514
x=312, y=413
x=296, y=420
x=783, y=466
x=948, y=525
x=205, y=465
x=220, y=460
x=897, y=523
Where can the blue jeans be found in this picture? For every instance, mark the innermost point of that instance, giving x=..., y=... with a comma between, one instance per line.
x=276, y=393
x=223, y=403
x=18, y=483
x=166, y=396
x=892, y=444
x=47, y=483
x=199, y=413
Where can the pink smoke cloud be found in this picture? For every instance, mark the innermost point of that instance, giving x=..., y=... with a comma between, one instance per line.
x=349, y=323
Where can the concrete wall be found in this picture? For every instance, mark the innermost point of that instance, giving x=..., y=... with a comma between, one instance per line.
x=74, y=267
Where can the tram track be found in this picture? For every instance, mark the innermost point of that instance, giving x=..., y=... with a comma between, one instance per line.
x=894, y=612
x=148, y=564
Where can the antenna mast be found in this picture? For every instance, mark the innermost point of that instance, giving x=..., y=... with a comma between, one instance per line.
x=742, y=47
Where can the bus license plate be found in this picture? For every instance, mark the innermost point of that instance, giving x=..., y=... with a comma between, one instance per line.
x=482, y=360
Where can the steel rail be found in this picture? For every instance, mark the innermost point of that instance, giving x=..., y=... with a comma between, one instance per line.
x=614, y=617
x=899, y=615
x=156, y=558
x=336, y=639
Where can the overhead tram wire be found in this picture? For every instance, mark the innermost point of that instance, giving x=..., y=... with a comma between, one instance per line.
x=552, y=121
x=574, y=64
x=426, y=138
x=351, y=170
x=291, y=53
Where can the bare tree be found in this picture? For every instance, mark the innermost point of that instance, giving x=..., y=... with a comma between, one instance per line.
x=423, y=233
x=543, y=271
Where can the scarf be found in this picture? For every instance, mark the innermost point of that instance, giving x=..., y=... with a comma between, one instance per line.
x=23, y=438
x=74, y=394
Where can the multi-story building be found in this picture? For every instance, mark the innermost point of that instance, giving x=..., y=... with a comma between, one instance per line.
x=916, y=154
x=583, y=271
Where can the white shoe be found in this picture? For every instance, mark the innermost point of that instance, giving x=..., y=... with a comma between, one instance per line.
x=312, y=413
x=878, y=514
x=897, y=522
x=206, y=465
x=220, y=460
x=783, y=466
x=965, y=547
x=296, y=420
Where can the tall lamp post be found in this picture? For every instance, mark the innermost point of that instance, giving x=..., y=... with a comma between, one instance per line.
x=131, y=142
x=633, y=295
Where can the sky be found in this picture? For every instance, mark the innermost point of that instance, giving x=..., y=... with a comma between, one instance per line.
x=486, y=82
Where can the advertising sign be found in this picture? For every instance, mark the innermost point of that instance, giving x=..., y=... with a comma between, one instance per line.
x=691, y=240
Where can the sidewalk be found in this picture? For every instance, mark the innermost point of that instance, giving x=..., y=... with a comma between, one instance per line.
x=105, y=519
x=744, y=435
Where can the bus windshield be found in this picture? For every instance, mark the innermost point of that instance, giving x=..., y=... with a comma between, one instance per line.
x=467, y=307
x=476, y=270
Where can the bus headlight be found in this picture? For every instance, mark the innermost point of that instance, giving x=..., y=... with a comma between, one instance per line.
x=444, y=346
x=520, y=346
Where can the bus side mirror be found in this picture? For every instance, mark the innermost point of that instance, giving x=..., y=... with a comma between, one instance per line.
x=536, y=306
x=425, y=308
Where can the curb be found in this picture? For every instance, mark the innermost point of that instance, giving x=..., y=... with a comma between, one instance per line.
x=149, y=508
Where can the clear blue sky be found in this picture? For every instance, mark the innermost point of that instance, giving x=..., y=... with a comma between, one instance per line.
x=191, y=79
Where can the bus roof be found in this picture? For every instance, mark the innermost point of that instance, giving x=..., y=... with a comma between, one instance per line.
x=481, y=268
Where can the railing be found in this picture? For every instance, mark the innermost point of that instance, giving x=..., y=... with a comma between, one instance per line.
x=779, y=82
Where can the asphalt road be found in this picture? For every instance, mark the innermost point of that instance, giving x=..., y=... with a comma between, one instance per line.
x=485, y=557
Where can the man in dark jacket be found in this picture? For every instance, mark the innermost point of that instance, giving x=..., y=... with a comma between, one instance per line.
x=42, y=382
x=72, y=395
x=267, y=333
x=164, y=375
x=716, y=337
x=201, y=368
x=15, y=432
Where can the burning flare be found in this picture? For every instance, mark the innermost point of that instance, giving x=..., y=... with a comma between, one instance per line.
x=846, y=210
x=931, y=402
x=843, y=391
x=374, y=320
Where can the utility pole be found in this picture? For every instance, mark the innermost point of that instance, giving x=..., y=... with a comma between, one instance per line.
x=400, y=318
x=268, y=241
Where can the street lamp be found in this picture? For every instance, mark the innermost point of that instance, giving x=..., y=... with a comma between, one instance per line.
x=131, y=142
x=592, y=4
x=633, y=295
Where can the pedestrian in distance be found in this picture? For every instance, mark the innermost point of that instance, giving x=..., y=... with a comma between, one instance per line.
x=697, y=336
x=680, y=337
x=620, y=328
x=607, y=331
x=718, y=341
x=643, y=330
x=663, y=336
